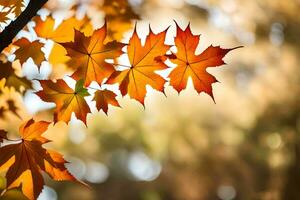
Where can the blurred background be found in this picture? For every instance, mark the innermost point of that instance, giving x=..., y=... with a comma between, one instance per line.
x=186, y=147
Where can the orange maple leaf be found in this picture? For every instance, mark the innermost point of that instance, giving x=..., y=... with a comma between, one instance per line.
x=66, y=99
x=135, y=78
x=27, y=159
x=28, y=50
x=88, y=54
x=65, y=31
x=194, y=66
x=105, y=97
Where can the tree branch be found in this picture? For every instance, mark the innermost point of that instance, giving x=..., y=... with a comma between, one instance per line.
x=10, y=32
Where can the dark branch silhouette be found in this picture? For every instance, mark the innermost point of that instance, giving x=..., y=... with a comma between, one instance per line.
x=10, y=32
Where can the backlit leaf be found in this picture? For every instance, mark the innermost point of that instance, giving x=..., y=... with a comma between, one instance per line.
x=104, y=98
x=28, y=50
x=194, y=66
x=66, y=99
x=88, y=54
x=27, y=159
x=143, y=65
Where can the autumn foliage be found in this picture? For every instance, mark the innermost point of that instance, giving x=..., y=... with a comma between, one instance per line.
x=26, y=160
x=92, y=57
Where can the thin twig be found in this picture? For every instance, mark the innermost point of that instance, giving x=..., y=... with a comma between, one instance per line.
x=10, y=32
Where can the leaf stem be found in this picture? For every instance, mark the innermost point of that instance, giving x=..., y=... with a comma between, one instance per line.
x=117, y=64
x=92, y=88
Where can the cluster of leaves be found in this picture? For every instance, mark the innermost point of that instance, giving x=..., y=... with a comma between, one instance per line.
x=89, y=55
x=93, y=57
x=10, y=7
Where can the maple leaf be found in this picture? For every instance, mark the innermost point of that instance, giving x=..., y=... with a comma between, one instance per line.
x=194, y=66
x=64, y=32
x=11, y=79
x=28, y=50
x=135, y=78
x=104, y=98
x=66, y=99
x=88, y=54
x=3, y=135
x=27, y=159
